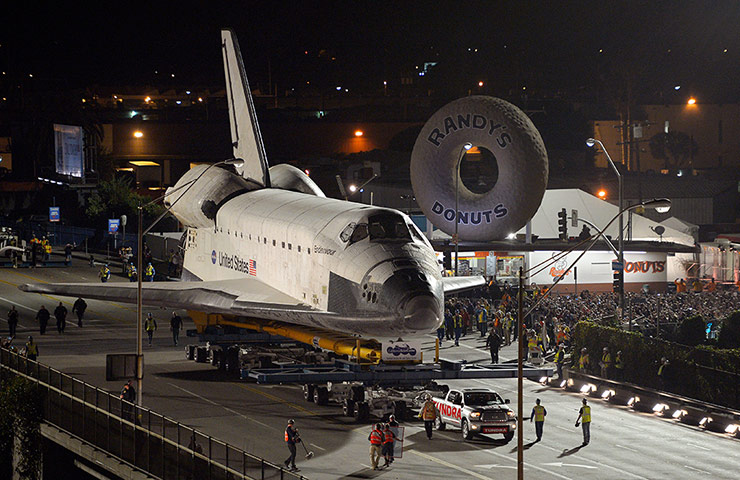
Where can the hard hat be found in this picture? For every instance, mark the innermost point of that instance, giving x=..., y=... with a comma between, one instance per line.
x=291, y=421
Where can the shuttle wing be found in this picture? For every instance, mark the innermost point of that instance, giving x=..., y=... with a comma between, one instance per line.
x=458, y=284
x=247, y=297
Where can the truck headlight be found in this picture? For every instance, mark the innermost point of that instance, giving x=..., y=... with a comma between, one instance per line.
x=510, y=413
x=475, y=415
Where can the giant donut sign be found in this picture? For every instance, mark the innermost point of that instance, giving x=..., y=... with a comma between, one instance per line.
x=505, y=131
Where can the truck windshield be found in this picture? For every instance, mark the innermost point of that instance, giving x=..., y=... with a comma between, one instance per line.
x=482, y=399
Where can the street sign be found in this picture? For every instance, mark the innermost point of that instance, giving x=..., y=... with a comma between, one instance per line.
x=574, y=218
x=113, y=224
x=53, y=214
x=617, y=265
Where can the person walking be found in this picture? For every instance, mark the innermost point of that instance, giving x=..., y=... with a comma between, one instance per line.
x=388, y=443
x=43, y=316
x=291, y=438
x=457, y=319
x=538, y=415
x=376, y=442
x=149, y=272
x=428, y=413
x=79, y=308
x=60, y=313
x=584, y=416
x=150, y=326
x=584, y=361
x=131, y=272
x=12, y=321
x=493, y=342
x=175, y=326
x=32, y=350
x=560, y=360
x=619, y=366
x=67, y=254
x=128, y=394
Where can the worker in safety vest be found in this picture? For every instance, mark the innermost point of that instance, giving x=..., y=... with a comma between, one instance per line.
x=429, y=414
x=538, y=415
x=584, y=361
x=619, y=366
x=104, y=273
x=584, y=415
x=376, y=442
x=149, y=273
x=606, y=363
x=150, y=326
x=388, y=439
x=291, y=438
x=457, y=325
x=32, y=350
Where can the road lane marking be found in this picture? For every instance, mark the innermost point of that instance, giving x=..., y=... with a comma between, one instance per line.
x=561, y=464
x=697, y=446
x=550, y=472
x=316, y=446
x=599, y=463
x=450, y=465
x=18, y=304
x=239, y=414
x=276, y=398
x=495, y=465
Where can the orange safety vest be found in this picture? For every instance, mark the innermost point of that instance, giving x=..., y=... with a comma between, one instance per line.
x=388, y=436
x=375, y=437
x=428, y=411
x=286, y=434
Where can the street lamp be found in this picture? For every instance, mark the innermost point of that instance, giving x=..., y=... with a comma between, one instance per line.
x=354, y=188
x=591, y=142
x=141, y=232
x=463, y=149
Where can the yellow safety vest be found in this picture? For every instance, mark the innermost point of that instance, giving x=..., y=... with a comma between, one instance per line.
x=606, y=359
x=559, y=356
x=539, y=413
x=586, y=416
x=31, y=349
x=583, y=361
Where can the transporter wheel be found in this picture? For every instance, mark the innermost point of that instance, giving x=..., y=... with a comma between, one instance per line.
x=358, y=393
x=439, y=424
x=190, y=352
x=231, y=363
x=466, y=432
x=362, y=411
x=216, y=356
x=502, y=186
x=508, y=436
x=308, y=392
x=348, y=408
x=201, y=354
x=399, y=410
x=321, y=396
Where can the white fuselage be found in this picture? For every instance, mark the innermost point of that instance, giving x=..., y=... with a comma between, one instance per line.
x=306, y=247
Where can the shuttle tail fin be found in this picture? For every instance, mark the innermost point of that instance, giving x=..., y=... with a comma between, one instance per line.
x=246, y=137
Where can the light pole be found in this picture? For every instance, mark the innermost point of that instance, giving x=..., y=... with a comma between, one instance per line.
x=140, y=240
x=463, y=149
x=660, y=204
x=591, y=142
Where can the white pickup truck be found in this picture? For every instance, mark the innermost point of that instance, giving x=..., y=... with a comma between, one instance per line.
x=475, y=411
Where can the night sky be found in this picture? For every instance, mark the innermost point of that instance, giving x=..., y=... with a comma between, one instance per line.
x=570, y=49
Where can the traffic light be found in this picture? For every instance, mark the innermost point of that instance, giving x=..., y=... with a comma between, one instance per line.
x=563, y=224
x=618, y=279
x=447, y=260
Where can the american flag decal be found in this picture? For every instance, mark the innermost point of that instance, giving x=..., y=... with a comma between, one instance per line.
x=253, y=267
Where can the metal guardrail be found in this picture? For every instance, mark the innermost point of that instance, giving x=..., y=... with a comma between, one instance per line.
x=139, y=437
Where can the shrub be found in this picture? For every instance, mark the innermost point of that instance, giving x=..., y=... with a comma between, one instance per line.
x=691, y=331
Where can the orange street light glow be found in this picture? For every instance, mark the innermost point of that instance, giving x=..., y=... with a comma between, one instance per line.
x=359, y=133
x=480, y=84
x=602, y=194
x=692, y=101
x=138, y=134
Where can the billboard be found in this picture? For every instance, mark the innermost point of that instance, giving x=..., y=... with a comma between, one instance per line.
x=53, y=214
x=113, y=224
x=68, y=149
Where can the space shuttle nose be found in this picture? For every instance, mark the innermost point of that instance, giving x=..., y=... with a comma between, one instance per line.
x=422, y=313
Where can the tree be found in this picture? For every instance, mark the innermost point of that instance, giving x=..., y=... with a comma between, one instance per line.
x=675, y=148
x=114, y=198
x=729, y=334
x=691, y=331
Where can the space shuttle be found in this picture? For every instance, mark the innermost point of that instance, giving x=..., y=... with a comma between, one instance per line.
x=265, y=244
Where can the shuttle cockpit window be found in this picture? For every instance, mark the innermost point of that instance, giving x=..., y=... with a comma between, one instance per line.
x=387, y=226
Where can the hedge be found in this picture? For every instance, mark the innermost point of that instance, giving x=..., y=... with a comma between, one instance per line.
x=703, y=373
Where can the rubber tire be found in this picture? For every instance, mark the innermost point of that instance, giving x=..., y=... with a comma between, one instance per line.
x=201, y=355
x=348, y=408
x=216, y=355
x=308, y=392
x=508, y=436
x=190, y=352
x=231, y=364
x=321, y=396
x=522, y=165
x=399, y=410
x=358, y=393
x=363, y=411
x=467, y=434
x=439, y=424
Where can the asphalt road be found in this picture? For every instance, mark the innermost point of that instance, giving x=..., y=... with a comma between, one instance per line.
x=624, y=444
